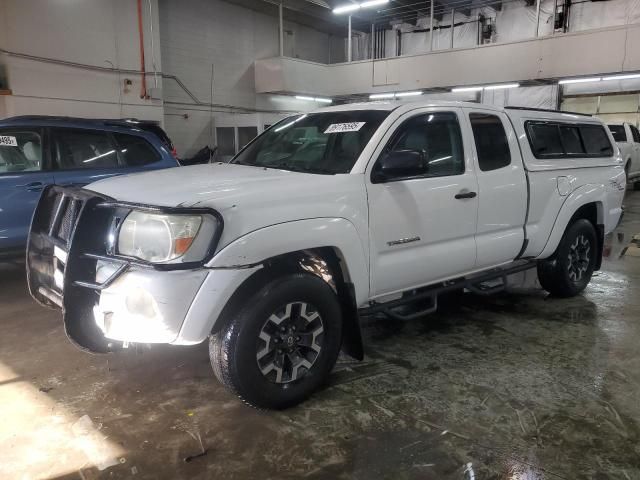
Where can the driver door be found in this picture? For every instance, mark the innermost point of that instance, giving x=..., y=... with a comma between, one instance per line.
x=422, y=228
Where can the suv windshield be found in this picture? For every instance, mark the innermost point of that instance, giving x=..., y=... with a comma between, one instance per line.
x=325, y=143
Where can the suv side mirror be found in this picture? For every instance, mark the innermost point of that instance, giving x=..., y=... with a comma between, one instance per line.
x=399, y=164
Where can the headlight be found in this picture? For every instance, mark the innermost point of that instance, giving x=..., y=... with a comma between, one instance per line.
x=166, y=238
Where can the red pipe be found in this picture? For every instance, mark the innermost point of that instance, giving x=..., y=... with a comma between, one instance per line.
x=143, y=88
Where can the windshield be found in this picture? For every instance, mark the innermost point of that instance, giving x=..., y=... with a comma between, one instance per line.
x=325, y=143
x=618, y=133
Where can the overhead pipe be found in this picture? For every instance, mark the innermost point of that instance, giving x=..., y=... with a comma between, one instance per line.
x=143, y=88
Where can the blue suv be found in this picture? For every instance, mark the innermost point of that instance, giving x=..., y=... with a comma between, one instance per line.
x=36, y=151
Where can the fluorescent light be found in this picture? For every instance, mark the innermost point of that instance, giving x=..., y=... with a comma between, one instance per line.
x=373, y=96
x=346, y=8
x=373, y=3
x=579, y=80
x=500, y=87
x=408, y=94
x=466, y=89
x=314, y=99
x=622, y=77
x=357, y=6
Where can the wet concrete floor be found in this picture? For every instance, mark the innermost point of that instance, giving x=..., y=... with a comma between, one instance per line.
x=513, y=386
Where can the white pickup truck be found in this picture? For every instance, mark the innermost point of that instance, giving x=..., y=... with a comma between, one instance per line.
x=627, y=137
x=326, y=216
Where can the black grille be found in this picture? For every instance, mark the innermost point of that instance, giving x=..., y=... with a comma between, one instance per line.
x=64, y=214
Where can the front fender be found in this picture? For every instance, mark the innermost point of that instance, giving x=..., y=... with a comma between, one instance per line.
x=257, y=246
x=592, y=193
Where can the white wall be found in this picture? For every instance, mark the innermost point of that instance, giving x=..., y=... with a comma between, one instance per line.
x=96, y=32
x=201, y=36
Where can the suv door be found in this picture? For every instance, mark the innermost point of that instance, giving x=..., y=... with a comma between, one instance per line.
x=422, y=227
x=24, y=173
x=502, y=188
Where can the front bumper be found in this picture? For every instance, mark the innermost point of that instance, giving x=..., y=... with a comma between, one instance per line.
x=107, y=300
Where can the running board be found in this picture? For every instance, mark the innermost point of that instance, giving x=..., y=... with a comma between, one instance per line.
x=473, y=284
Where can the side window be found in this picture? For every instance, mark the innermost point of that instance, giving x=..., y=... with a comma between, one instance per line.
x=20, y=151
x=77, y=148
x=437, y=136
x=135, y=151
x=635, y=133
x=596, y=141
x=545, y=139
x=491, y=141
x=571, y=140
x=619, y=135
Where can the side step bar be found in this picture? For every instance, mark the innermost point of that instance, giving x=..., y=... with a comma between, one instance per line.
x=473, y=284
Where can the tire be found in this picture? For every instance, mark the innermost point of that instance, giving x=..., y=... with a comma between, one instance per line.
x=568, y=271
x=247, y=354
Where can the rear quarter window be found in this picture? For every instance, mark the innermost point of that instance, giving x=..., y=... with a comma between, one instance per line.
x=619, y=135
x=135, y=151
x=557, y=140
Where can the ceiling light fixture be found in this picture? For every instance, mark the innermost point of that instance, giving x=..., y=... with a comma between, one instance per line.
x=357, y=6
x=314, y=99
x=503, y=86
x=466, y=89
x=579, y=80
x=375, y=96
x=622, y=77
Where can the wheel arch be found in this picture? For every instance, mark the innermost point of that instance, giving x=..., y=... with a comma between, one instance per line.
x=327, y=264
x=587, y=202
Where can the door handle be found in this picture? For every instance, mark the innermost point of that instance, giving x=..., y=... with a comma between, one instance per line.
x=463, y=195
x=32, y=186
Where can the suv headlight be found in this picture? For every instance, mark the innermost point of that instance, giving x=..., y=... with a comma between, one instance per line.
x=166, y=238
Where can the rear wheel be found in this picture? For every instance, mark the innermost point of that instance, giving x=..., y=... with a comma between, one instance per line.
x=569, y=270
x=281, y=346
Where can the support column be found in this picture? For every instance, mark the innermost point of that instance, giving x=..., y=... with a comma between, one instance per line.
x=538, y=18
x=453, y=24
x=281, y=29
x=373, y=43
x=431, y=29
x=349, y=41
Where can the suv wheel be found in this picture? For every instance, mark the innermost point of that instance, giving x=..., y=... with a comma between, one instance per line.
x=281, y=345
x=569, y=270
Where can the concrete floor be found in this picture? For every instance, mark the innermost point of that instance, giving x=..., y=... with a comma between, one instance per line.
x=514, y=386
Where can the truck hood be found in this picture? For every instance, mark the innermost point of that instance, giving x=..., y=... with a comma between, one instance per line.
x=248, y=198
x=200, y=185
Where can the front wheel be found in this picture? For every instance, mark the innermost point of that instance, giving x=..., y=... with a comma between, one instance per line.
x=281, y=345
x=569, y=270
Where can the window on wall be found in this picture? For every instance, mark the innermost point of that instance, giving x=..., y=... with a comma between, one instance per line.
x=245, y=135
x=226, y=137
x=491, y=141
x=437, y=136
x=83, y=149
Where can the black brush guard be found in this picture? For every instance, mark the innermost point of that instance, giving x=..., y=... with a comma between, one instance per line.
x=67, y=223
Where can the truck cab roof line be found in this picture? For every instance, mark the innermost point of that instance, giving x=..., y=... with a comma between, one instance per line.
x=549, y=110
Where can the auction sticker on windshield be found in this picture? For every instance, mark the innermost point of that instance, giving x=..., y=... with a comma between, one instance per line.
x=344, y=127
x=8, y=141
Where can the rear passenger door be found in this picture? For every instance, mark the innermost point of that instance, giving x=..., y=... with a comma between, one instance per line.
x=502, y=188
x=82, y=156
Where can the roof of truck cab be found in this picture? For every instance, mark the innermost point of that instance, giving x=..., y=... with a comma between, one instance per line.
x=513, y=112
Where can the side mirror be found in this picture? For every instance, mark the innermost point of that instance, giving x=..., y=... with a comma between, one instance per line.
x=401, y=163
